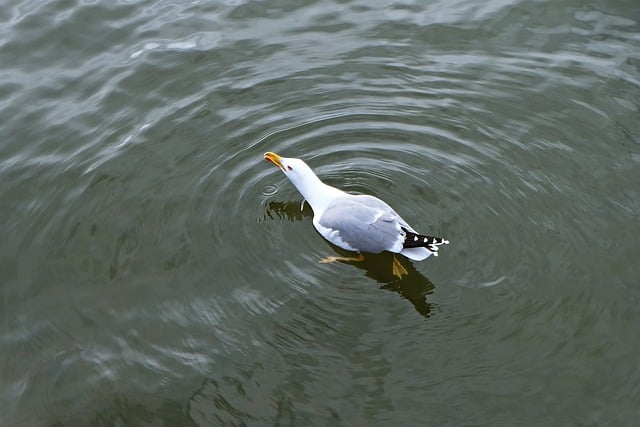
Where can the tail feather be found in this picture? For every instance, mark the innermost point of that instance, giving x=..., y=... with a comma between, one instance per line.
x=415, y=240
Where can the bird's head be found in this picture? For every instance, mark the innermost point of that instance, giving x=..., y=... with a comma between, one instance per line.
x=295, y=169
x=318, y=194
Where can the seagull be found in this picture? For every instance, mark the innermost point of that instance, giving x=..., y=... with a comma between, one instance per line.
x=356, y=222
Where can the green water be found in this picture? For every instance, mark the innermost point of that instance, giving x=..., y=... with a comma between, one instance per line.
x=156, y=271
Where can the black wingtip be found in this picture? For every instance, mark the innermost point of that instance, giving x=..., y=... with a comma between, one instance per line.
x=415, y=240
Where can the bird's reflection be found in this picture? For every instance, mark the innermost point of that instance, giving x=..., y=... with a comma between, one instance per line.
x=414, y=286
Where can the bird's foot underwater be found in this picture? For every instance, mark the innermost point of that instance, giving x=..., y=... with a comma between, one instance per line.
x=329, y=259
x=398, y=269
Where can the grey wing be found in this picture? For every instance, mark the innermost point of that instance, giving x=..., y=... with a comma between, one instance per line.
x=374, y=202
x=360, y=226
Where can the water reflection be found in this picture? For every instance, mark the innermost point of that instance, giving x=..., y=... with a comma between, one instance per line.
x=414, y=287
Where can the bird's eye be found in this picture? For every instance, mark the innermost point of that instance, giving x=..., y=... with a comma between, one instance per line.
x=290, y=168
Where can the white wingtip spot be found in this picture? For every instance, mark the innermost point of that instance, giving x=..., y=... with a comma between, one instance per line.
x=446, y=242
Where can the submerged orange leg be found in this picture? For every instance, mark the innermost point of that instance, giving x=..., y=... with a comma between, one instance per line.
x=328, y=259
x=398, y=269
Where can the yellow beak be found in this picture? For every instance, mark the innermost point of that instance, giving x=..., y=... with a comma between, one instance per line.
x=274, y=158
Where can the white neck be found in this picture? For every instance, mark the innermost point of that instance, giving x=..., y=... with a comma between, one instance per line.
x=316, y=193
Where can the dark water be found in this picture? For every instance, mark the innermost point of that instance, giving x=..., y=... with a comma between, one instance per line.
x=156, y=271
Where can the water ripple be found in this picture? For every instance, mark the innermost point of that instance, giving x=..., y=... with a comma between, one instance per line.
x=148, y=248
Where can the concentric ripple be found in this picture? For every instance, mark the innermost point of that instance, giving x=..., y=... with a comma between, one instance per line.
x=156, y=270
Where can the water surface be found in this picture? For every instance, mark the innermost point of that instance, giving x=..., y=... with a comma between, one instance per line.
x=156, y=271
